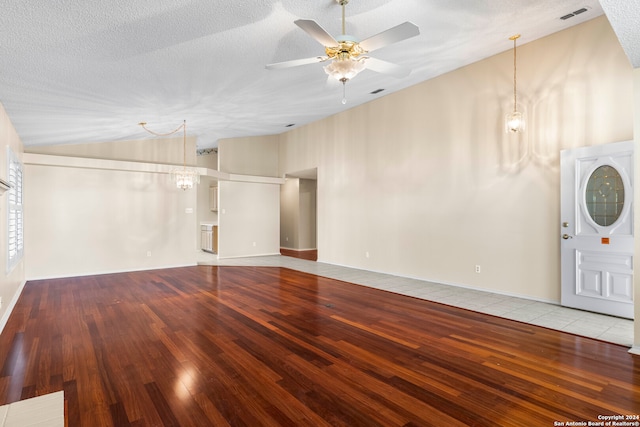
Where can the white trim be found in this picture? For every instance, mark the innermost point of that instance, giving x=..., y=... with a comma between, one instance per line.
x=5, y=317
x=628, y=195
x=100, y=273
x=127, y=166
x=635, y=350
x=441, y=282
x=256, y=179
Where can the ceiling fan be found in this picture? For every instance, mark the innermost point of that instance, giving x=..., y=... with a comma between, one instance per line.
x=348, y=56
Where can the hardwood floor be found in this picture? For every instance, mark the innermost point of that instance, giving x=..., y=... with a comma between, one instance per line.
x=311, y=254
x=251, y=346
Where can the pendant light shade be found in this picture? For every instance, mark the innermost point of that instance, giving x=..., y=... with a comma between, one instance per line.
x=515, y=121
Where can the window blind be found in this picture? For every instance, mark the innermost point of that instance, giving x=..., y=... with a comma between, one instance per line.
x=15, y=214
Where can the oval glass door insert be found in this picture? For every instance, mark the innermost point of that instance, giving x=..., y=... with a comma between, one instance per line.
x=604, y=195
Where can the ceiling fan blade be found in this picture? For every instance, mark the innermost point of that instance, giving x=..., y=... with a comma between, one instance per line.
x=316, y=31
x=385, y=67
x=295, y=63
x=392, y=35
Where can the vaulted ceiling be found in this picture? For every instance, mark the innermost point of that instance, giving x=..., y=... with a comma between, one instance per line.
x=88, y=71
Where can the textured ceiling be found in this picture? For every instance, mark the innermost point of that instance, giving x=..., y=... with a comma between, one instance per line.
x=88, y=71
x=625, y=19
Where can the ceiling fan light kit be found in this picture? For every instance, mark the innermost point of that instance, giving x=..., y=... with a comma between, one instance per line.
x=347, y=54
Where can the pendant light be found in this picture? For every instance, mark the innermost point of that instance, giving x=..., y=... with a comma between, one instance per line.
x=515, y=120
x=183, y=177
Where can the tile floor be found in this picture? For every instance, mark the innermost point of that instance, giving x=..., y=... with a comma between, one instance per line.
x=584, y=323
x=46, y=410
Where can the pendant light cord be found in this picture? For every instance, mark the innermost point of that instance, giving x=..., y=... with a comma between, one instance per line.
x=515, y=96
x=183, y=126
x=184, y=144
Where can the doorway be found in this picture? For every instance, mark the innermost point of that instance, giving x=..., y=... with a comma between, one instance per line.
x=298, y=215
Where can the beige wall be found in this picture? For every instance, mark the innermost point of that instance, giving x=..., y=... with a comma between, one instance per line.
x=10, y=282
x=289, y=213
x=81, y=221
x=308, y=210
x=150, y=150
x=248, y=212
x=248, y=219
x=205, y=214
x=249, y=156
x=86, y=220
x=428, y=184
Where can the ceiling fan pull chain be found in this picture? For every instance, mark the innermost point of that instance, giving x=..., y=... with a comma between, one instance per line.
x=344, y=91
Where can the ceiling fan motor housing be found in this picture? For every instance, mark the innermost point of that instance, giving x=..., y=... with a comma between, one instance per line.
x=348, y=47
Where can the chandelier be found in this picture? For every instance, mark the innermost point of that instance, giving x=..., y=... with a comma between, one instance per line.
x=515, y=120
x=183, y=177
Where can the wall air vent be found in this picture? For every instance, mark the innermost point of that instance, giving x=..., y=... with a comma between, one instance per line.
x=574, y=13
x=376, y=91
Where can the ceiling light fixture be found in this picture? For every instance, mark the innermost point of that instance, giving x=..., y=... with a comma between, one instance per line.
x=515, y=120
x=347, y=56
x=346, y=61
x=183, y=177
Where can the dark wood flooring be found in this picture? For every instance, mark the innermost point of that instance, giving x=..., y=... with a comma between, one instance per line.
x=244, y=346
x=310, y=255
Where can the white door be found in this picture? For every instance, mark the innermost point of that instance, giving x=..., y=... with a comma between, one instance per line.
x=596, y=230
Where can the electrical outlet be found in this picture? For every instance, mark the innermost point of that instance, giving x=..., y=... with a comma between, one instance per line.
x=254, y=244
x=477, y=269
x=0, y=301
x=366, y=254
x=148, y=253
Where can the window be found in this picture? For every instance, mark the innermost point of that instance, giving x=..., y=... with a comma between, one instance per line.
x=15, y=216
x=604, y=195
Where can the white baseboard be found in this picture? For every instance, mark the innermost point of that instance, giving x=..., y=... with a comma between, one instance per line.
x=635, y=350
x=100, y=273
x=10, y=307
x=441, y=282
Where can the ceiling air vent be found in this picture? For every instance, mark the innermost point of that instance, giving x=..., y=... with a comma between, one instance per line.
x=574, y=13
x=376, y=91
x=290, y=124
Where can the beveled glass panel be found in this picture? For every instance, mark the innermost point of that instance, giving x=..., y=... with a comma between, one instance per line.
x=604, y=195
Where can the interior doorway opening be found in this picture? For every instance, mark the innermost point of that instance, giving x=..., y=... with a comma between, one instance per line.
x=298, y=215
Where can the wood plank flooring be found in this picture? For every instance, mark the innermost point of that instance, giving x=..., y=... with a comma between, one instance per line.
x=253, y=346
x=310, y=255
